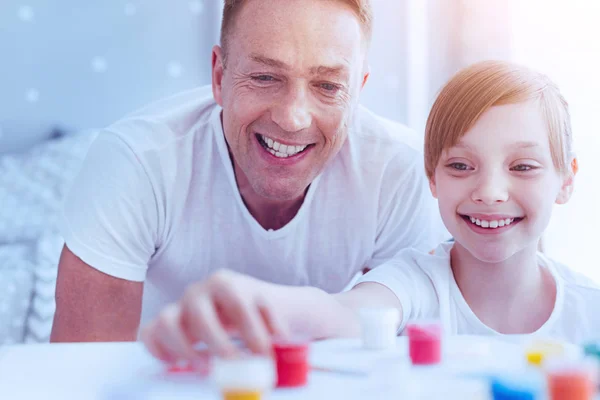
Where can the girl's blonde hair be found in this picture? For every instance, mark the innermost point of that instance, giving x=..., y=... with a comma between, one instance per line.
x=473, y=90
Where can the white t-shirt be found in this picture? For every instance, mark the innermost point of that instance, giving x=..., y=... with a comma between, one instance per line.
x=157, y=201
x=425, y=285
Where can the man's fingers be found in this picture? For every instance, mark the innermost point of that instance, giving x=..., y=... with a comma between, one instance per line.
x=149, y=338
x=200, y=323
x=275, y=325
x=171, y=336
x=247, y=318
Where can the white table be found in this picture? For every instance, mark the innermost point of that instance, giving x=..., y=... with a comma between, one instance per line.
x=127, y=371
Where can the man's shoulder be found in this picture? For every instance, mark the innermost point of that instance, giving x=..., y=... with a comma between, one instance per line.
x=380, y=147
x=376, y=131
x=166, y=121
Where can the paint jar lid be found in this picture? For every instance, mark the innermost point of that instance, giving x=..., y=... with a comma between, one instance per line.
x=592, y=349
x=247, y=372
x=540, y=351
x=426, y=329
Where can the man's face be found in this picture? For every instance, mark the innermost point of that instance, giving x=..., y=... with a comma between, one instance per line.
x=294, y=70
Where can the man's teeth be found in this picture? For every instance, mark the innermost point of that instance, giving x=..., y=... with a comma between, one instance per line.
x=281, y=150
x=492, y=224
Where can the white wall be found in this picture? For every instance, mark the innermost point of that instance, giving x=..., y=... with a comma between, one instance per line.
x=78, y=65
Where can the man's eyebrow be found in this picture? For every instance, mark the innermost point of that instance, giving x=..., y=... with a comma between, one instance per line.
x=325, y=70
x=271, y=62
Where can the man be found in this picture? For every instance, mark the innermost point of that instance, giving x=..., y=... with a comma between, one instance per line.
x=278, y=174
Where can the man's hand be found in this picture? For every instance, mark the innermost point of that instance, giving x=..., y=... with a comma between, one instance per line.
x=211, y=311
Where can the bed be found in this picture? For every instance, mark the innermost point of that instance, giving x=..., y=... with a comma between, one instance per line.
x=33, y=184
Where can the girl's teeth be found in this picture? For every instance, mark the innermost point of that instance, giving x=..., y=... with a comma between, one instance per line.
x=492, y=224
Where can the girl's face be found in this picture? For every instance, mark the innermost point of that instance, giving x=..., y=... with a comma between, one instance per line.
x=497, y=186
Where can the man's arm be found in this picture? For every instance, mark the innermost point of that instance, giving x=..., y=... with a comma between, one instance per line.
x=230, y=303
x=92, y=306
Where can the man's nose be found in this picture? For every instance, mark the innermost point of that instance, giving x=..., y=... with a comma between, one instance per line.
x=292, y=111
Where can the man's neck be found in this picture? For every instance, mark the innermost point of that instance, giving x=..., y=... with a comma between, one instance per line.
x=512, y=296
x=270, y=214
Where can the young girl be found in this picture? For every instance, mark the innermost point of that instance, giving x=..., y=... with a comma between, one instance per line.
x=498, y=157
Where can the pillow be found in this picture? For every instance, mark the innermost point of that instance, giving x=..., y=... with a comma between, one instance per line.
x=33, y=185
x=16, y=284
x=38, y=324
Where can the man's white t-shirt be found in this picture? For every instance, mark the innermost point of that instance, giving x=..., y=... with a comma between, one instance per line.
x=157, y=201
x=425, y=285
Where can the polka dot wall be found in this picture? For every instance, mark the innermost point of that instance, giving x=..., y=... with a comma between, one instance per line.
x=80, y=65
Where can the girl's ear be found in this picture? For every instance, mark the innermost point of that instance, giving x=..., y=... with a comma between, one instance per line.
x=432, y=187
x=567, y=187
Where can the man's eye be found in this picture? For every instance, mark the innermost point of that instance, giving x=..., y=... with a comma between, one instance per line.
x=263, y=78
x=330, y=87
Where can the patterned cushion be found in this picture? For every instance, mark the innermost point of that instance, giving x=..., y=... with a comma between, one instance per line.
x=16, y=284
x=33, y=185
x=32, y=189
x=38, y=324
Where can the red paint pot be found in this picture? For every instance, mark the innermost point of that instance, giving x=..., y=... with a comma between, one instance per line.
x=425, y=343
x=291, y=359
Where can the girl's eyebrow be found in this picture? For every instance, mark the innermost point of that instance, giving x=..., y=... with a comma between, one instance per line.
x=518, y=145
x=461, y=145
x=525, y=145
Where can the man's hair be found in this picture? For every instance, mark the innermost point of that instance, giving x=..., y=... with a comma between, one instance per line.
x=473, y=90
x=362, y=9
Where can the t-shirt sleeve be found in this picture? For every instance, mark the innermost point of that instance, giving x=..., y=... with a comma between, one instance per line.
x=110, y=217
x=411, y=284
x=408, y=213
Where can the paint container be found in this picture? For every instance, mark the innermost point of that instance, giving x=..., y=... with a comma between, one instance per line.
x=291, y=360
x=571, y=379
x=517, y=387
x=592, y=352
x=425, y=342
x=540, y=351
x=244, y=378
x=379, y=327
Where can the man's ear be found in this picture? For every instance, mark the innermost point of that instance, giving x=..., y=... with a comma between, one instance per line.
x=365, y=79
x=432, y=187
x=218, y=66
x=568, y=183
x=366, y=73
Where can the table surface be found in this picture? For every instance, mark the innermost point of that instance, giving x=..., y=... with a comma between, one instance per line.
x=126, y=371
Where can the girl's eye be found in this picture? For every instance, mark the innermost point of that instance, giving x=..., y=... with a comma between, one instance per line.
x=523, y=168
x=459, y=166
